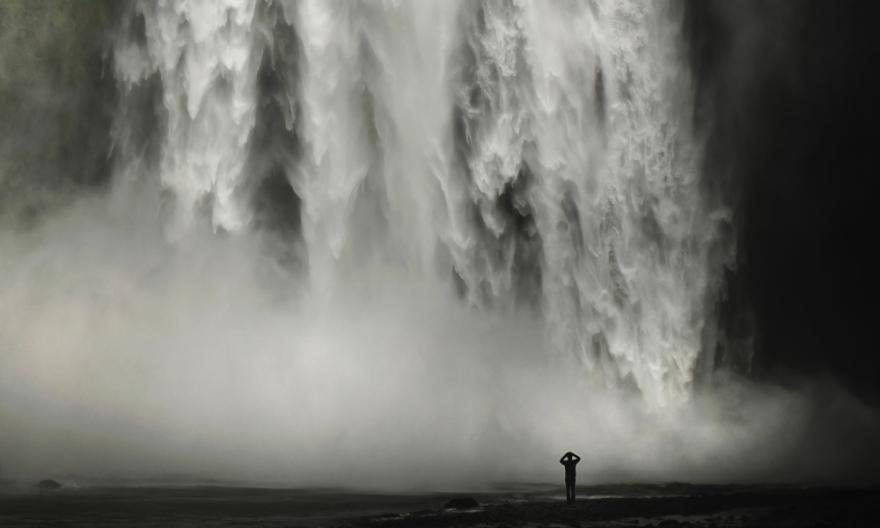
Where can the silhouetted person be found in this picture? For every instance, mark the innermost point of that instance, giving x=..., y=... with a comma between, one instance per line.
x=569, y=460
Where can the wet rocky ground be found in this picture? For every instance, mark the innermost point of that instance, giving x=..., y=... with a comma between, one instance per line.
x=667, y=506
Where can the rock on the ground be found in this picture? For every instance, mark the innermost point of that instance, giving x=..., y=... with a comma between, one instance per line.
x=462, y=503
x=49, y=484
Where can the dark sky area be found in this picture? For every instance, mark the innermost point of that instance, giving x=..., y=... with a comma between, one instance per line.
x=788, y=96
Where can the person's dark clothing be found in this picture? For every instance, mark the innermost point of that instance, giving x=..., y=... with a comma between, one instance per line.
x=569, y=460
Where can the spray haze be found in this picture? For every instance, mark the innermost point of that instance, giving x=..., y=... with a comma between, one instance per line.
x=124, y=359
x=388, y=244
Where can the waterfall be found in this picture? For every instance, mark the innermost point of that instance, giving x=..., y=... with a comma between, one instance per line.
x=531, y=155
x=206, y=55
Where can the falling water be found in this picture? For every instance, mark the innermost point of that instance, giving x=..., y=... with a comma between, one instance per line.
x=205, y=54
x=531, y=155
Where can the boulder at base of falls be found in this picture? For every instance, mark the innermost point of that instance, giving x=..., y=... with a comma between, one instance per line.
x=48, y=485
x=461, y=503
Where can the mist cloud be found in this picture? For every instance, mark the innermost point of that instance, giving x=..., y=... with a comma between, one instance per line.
x=126, y=357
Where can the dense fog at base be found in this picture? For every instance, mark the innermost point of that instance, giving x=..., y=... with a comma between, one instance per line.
x=125, y=357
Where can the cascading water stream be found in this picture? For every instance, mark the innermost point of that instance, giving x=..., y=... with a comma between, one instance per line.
x=531, y=154
x=206, y=56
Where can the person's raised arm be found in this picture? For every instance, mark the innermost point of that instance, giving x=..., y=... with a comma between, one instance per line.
x=576, y=458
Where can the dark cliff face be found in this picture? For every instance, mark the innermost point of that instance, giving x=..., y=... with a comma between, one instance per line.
x=788, y=101
x=57, y=96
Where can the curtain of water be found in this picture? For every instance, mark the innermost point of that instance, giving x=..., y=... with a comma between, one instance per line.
x=533, y=154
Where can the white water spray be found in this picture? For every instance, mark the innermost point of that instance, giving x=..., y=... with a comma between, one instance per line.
x=535, y=153
x=206, y=55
